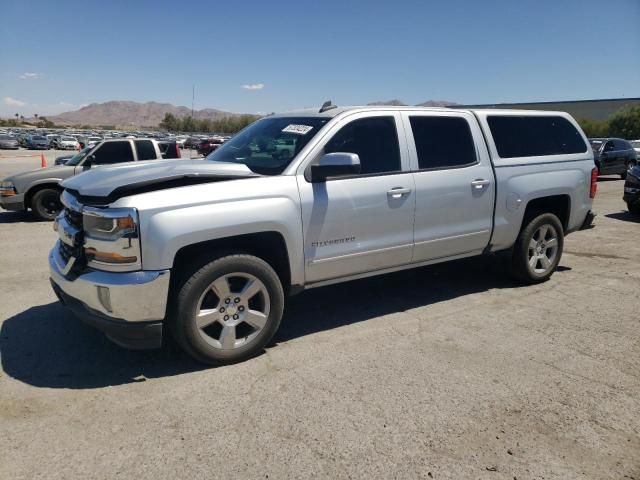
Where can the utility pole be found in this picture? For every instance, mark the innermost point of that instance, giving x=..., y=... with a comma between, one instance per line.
x=193, y=96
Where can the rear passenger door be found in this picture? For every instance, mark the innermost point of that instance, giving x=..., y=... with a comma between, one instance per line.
x=454, y=180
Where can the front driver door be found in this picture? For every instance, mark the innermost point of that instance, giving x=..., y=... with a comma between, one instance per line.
x=364, y=222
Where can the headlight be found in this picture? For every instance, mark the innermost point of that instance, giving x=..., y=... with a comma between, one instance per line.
x=7, y=189
x=112, y=240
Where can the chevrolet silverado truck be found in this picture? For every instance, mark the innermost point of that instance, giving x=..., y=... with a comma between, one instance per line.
x=39, y=190
x=207, y=250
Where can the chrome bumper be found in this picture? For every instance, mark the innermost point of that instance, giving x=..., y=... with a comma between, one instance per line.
x=131, y=297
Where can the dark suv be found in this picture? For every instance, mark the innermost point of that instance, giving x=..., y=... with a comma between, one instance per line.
x=613, y=156
x=632, y=190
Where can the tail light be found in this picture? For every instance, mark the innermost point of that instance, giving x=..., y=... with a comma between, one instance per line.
x=178, y=154
x=594, y=183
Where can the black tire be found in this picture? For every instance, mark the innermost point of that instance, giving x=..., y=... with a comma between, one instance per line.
x=189, y=293
x=45, y=204
x=521, y=254
x=635, y=209
x=627, y=166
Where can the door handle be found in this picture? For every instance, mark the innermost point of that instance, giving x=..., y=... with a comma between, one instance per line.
x=480, y=183
x=398, y=192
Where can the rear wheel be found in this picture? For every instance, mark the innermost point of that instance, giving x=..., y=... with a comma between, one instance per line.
x=228, y=310
x=45, y=204
x=538, y=249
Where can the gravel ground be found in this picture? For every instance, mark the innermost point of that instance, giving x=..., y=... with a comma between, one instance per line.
x=449, y=371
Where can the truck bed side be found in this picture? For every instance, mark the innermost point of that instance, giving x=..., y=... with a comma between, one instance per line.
x=559, y=182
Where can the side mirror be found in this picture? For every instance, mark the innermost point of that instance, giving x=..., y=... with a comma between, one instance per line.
x=335, y=165
x=89, y=161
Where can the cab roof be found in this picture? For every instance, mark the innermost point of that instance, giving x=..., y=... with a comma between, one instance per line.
x=335, y=111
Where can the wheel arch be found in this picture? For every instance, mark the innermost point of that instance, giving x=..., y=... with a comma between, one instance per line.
x=269, y=246
x=29, y=194
x=559, y=205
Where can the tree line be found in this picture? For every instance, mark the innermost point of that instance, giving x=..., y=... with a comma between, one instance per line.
x=625, y=123
x=233, y=124
x=41, y=122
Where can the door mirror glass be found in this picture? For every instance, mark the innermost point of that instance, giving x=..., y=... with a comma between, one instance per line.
x=335, y=165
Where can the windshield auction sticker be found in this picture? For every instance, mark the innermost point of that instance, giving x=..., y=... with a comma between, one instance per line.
x=297, y=129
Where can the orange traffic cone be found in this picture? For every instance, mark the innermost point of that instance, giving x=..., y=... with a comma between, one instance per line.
x=43, y=161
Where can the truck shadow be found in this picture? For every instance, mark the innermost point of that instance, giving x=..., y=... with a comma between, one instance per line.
x=624, y=216
x=46, y=346
x=344, y=304
x=17, y=217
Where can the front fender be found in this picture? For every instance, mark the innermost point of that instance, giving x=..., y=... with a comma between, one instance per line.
x=164, y=233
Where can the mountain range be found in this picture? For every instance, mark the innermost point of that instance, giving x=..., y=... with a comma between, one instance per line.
x=150, y=114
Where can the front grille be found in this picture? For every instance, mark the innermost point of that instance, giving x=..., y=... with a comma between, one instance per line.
x=74, y=218
x=66, y=251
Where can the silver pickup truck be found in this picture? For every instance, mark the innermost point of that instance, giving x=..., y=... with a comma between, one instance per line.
x=39, y=190
x=209, y=249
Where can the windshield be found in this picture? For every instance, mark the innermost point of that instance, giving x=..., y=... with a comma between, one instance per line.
x=67, y=139
x=635, y=144
x=595, y=145
x=6, y=137
x=269, y=145
x=37, y=137
x=77, y=158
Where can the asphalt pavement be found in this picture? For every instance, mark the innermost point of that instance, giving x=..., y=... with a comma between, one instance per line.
x=450, y=371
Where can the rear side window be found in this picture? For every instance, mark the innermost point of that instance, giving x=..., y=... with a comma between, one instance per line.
x=145, y=150
x=621, y=145
x=374, y=139
x=532, y=136
x=114, y=152
x=443, y=142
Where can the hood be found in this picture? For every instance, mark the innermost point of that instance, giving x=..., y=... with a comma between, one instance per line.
x=54, y=174
x=136, y=177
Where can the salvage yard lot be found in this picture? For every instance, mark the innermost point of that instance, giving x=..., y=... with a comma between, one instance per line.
x=449, y=371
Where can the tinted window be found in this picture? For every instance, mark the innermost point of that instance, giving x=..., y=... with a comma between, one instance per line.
x=374, y=139
x=609, y=146
x=534, y=135
x=443, y=142
x=145, y=150
x=113, y=152
x=621, y=145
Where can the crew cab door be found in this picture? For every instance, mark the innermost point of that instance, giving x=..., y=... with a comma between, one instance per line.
x=455, y=186
x=359, y=223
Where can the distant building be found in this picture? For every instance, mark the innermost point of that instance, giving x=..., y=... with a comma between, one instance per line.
x=579, y=109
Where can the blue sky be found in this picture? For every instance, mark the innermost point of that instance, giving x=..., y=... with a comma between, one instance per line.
x=58, y=55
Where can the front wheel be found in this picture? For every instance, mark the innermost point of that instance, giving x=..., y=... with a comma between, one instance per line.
x=228, y=310
x=45, y=204
x=538, y=249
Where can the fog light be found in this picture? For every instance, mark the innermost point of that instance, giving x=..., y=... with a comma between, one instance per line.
x=105, y=298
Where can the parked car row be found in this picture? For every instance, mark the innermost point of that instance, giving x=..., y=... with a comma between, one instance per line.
x=72, y=139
